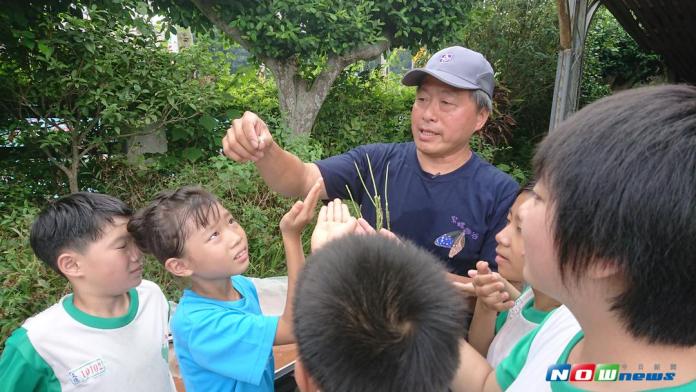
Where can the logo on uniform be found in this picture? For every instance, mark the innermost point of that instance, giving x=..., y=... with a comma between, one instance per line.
x=446, y=58
x=89, y=370
x=456, y=240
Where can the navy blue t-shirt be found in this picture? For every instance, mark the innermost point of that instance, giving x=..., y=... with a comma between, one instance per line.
x=431, y=211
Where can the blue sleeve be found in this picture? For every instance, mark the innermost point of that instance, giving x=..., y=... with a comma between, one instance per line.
x=498, y=219
x=339, y=171
x=235, y=345
x=245, y=287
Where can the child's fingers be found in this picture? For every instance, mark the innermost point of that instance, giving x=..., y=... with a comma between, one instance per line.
x=295, y=209
x=330, y=212
x=367, y=229
x=337, y=211
x=501, y=306
x=482, y=267
x=489, y=289
x=322, y=214
x=493, y=300
x=472, y=273
x=486, y=279
x=386, y=233
x=313, y=196
x=346, y=213
x=291, y=215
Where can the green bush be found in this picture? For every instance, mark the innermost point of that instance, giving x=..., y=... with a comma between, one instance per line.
x=614, y=61
x=364, y=107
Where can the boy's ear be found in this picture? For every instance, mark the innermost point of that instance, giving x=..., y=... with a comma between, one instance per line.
x=304, y=381
x=602, y=269
x=178, y=267
x=69, y=264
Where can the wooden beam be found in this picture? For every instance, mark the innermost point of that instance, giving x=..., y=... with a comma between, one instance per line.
x=563, y=23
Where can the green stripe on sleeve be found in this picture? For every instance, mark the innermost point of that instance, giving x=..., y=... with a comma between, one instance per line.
x=23, y=369
x=510, y=367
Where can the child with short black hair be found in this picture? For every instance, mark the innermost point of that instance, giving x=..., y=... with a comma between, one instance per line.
x=110, y=334
x=374, y=314
x=221, y=338
x=610, y=233
x=503, y=315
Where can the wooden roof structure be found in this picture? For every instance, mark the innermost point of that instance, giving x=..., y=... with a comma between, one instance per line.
x=667, y=27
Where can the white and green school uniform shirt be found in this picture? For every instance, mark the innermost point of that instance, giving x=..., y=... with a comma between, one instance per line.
x=525, y=368
x=65, y=349
x=512, y=325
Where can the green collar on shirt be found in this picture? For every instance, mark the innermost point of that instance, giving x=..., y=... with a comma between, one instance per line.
x=103, y=322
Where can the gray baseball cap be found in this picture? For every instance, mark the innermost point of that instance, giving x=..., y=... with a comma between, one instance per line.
x=458, y=67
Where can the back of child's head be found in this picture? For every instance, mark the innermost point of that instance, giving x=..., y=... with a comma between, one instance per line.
x=73, y=222
x=162, y=227
x=372, y=314
x=621, y=175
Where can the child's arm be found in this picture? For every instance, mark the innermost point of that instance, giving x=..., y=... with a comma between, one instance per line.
x=291, y=226
x=482, y=328
x=22, y=368
x=474, y=373
x=492, y=297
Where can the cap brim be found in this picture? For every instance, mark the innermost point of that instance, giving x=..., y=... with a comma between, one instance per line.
x=414, y=77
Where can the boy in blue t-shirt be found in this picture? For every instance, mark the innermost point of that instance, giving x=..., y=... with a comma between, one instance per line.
x=221, y=339
x=610, y=233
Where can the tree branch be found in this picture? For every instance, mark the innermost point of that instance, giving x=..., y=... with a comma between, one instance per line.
x=56, y=162
x=364, y=52
x=206, y=7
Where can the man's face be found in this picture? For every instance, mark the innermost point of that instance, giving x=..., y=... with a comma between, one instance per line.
x=443, y=119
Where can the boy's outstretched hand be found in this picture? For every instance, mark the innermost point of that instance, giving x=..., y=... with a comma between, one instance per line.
x=364, y=227
x=301, y=213
x=334, y=221
x=493, y=290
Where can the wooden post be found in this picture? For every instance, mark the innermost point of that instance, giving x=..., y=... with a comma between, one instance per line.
x=566, y=91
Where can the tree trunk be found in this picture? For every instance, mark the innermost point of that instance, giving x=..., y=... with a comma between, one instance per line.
x=301, y=101
x=72, y=179
x=75, y=162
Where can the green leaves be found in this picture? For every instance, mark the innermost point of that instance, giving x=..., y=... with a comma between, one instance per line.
x=208, y=122
x=105, y=78
x=308, y=30
x=45, y=49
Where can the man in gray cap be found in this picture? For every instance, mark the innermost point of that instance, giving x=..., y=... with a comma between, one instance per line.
x=441, y=195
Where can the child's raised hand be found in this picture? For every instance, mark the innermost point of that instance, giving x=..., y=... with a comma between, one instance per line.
x=301, y=213
x=491, y=288
x=334, y=221
x=364, y=227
